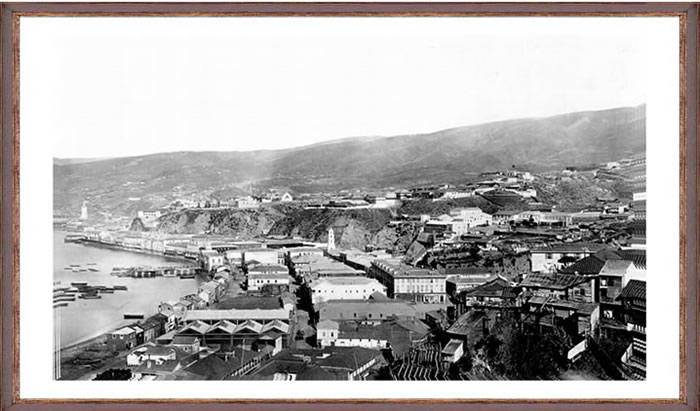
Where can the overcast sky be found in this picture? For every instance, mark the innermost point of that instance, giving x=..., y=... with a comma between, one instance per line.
x=105, y=87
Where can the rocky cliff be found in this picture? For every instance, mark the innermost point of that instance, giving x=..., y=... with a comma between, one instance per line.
x=353, y=228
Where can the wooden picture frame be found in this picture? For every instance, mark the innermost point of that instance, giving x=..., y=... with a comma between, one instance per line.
x=689, y=396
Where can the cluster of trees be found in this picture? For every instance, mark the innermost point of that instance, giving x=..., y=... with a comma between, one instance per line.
x=114, y=374
x=522, y=351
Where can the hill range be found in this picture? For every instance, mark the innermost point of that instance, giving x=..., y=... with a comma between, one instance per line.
x=446, y=156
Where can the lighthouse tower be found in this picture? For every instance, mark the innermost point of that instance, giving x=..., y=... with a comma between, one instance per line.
x=331, y=239
x=83, y=211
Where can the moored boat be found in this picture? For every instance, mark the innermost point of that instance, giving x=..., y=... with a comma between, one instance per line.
x=133, y=316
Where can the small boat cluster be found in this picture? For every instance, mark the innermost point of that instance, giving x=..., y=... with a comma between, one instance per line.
x=63, y=295
x=77, y=268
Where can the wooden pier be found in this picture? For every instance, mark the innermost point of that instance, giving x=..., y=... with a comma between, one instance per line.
x=183, y=270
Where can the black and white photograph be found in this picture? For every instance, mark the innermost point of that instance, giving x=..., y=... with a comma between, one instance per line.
x=414, y=199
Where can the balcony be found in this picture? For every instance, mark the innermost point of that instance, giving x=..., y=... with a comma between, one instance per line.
x=634, y=360
x=637, y=328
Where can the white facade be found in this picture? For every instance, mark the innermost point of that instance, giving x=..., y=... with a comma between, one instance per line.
x=84, y=211
x=327, y=332
x=150, y=353
x=261, y=255
x=465, y=218
x=344, y=288
x=257, y=281
x=247, y=202
x=452, y=194
x=639, y=196
x=331, y=239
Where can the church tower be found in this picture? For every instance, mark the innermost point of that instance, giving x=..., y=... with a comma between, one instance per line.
x=331, y=239
x=83, y=211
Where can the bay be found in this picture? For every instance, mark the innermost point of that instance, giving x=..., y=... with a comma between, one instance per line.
x=85, y=319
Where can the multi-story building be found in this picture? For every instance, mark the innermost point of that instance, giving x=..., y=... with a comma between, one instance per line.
x=261, y=256
x=344, y=288
x=410, y=283
x=558, y=256
x=369, y=311
x=210, y=260
x=633, y=298
x=261, y=275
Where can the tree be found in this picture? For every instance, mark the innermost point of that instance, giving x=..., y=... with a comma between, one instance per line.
x=523, y=351
x=114, y=374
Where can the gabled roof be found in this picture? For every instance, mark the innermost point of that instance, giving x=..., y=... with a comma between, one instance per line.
x=452, y=347
x=225, y=326
x=198, y=326
x=184, y=340
x=365, y=309
x=276, y=325
x=616, y=267
x=470, y=324
x=245, y=302
x=635, y=289
x=395, y=332
x=254, y=326
x=465, y=270
x=268, y=268
x=638, y=257
x=496, y=288
x=255, y=314
x=570, y=248
x=586, y=266
x=552, y=281
x=154, y=350
x=342, y=281
x=212, y=367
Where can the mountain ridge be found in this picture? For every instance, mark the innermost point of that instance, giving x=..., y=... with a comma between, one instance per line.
x=445, y=156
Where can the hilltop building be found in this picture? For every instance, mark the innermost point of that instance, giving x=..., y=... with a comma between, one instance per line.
x=84, y=211
x=331, y=239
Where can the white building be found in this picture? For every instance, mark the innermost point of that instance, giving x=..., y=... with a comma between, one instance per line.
x=247, y=202
x=257, y=280
x=344, y=288
x=525, y=192
x=211, y=260
x=331, y=239
x=261, y=255
x=327, y=332
x=153, y=353
x=452, y=194
x=383, y=202
x=550, y=258
x=462, y=219
x=84, y=211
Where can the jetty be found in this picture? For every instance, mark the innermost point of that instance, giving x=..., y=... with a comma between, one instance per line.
x=182, y=270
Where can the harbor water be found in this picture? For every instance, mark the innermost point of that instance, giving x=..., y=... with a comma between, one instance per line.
x=87, y=318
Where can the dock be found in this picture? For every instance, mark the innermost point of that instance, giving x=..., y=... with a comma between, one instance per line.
x=183, y=270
